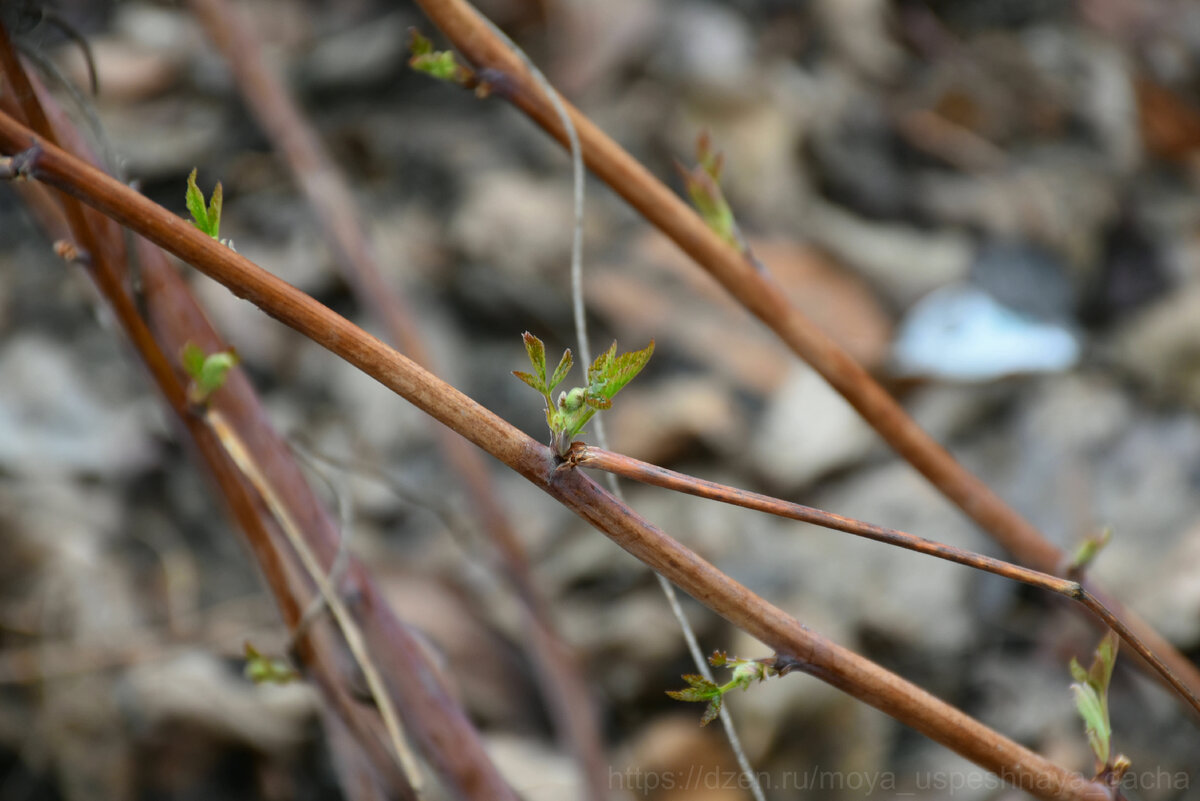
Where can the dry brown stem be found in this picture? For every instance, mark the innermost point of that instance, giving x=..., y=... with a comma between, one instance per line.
x=794, y=644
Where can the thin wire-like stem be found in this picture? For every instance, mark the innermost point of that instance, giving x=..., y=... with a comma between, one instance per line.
x=755, y=290
x=626, y=466
x=798, y=645
x=579, y=312
x=578, y=192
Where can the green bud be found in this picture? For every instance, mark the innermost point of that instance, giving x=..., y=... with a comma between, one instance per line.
x=572, y=401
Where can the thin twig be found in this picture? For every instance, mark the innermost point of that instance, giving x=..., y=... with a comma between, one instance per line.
x=811, y=652
x=614, y=463
x=582, y=455
x=237, y=451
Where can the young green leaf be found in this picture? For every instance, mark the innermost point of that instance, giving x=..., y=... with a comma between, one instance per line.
x=698, y=689
x=214, y=212
x=597, y=374
x=711, y=711
x=745, y=673
x=206, y=371
x=192, y=359
x=609, y=374
x=703, y=186
x=706, y=196
x=1091, y=696
x=537, y=357
x=560, y=372
x=443, y=65
x=195, y=204
x=206, y=218
x=1095, y=721
x=1103, y=662
x=689, y=694
x=530, y=380
x=1088, y=550
x=418, y=45
x=215, y=370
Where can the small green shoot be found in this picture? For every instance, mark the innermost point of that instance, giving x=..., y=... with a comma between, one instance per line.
x=265, y=670
x=1091, y=699
x=1087, y=551
x=703, y=185
x=700, y=689
x=206, y=218
x=206, y=371
x=567, y=416
x=441, y=64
